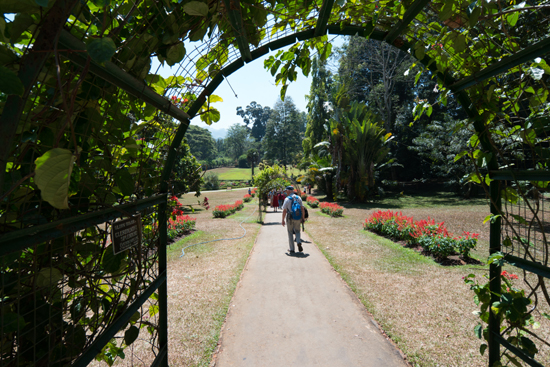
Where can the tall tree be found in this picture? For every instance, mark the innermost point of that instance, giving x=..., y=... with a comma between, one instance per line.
x=237, y=141
x=283, y=139
x=255, y=117
x=221, y=146
x=318, y=105
x=201, y=143
x=371, y=71
x=365, y=147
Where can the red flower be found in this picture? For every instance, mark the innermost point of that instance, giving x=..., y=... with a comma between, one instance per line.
x=509, y=276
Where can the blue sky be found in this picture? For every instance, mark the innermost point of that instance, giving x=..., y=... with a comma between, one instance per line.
x=253, y=83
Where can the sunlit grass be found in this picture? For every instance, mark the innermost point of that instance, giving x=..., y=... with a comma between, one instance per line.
x=227, y=173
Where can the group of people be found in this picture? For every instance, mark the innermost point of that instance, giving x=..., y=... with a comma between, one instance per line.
x=276, y=198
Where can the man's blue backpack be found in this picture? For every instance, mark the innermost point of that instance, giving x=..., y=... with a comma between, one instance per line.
x=296, y=208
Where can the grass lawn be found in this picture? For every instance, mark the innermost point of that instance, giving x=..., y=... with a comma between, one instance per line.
x=227, y=173
x=424, y=307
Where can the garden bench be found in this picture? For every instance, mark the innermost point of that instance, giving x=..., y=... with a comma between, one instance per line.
x=228, y=187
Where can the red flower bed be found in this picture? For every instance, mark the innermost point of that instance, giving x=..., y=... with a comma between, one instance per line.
x=332, y=209
x=178, y=223
x=312, y=201
x=222, y=211
x=433, y=237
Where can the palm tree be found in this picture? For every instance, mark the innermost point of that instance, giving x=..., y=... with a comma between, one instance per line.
x=364, y=147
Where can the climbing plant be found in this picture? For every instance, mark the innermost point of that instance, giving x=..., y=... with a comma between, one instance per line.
x=83, y=126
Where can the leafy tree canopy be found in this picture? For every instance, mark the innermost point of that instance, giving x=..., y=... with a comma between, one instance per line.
x=255, y=117
x=284, y=132
x=201, y=143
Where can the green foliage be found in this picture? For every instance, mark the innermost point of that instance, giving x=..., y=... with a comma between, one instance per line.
x=283, y=133
x=511, y=310
x=10, y=82
x=125, y=143
x=270, y=178
x=318, y=105
x=101, y=49
x=211, y=181
x=365, y=146
x=53, y=176
x=237, y=141
x=242, y=161
x=201, y=143
x=255, y=118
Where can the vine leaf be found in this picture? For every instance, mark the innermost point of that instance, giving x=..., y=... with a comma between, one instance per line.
x=101, y=49
x=43, y=3
x=214, y=98
x=101, y=3
x=48, y=277
x=175, y=53
x=196, y=8
x=11, y=322
x=53, y=174
x=112, y=263
x=482, y=348
x=131, y=335
x=18, y=6
x=10, y=82
x=124, y=181
x=478, y=330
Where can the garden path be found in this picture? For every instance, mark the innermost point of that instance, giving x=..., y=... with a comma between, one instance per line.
x=297, y=311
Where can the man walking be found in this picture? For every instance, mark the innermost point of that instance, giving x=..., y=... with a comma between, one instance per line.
x=293, y=213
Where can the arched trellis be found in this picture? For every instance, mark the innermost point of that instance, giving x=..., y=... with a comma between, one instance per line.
x=61, y=40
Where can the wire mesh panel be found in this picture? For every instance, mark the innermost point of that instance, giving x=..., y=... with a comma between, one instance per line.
x=525, y=226
x=79, y=146
x=61, y=295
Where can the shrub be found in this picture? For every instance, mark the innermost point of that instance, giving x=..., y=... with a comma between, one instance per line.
x=334, y=210
x=211, y=181
x=313, y=202
x=243, y=161
x=247, y=198
x=303, y=195
x=222, y=211
x=433, y=238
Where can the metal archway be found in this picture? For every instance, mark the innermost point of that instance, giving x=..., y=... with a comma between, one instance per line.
x=98, y=54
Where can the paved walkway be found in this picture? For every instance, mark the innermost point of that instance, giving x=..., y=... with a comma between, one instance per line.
x=296, y=311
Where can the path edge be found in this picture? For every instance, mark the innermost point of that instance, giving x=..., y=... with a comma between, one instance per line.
x=214, y=358
x=355, y=298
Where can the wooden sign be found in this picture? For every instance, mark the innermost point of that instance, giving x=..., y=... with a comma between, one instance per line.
x=126, y=234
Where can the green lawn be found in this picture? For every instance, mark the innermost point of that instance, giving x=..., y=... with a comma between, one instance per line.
x=227, y=173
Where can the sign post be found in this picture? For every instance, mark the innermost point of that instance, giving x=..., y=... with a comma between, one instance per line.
x=126, y=233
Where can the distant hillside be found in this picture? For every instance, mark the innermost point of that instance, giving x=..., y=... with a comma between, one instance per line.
x=217, y=133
